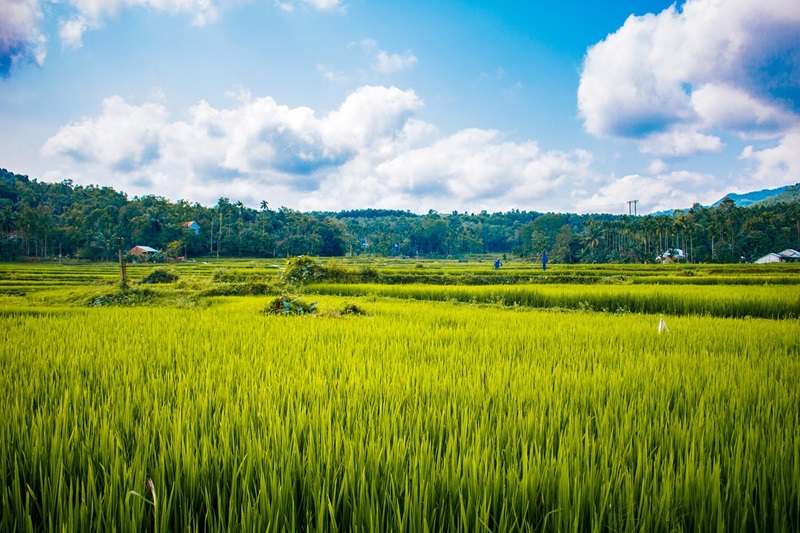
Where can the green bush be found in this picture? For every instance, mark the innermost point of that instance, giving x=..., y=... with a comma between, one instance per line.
x=289, y=305
x=239, y=289
x=161, y=275
x=124, y=298
x=352, y=309
x=303, y=269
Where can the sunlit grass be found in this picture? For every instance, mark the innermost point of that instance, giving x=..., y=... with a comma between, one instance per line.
x=419, y=416
x=721, y=300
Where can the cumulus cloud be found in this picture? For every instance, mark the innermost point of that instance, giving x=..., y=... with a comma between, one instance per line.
x=20, y=38
x=124, y=138
x=668, y=80
x=655, y=193
x=779, y=164
x=371, y=150
x=679, y=142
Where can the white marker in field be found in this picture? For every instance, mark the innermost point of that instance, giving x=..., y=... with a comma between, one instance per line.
x=662, y=326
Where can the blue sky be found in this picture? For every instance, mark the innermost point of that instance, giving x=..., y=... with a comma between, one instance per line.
x=342, y=104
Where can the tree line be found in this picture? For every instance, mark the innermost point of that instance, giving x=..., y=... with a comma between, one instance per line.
x=46, y=220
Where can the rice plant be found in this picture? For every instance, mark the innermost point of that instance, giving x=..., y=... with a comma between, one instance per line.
x=418, y=416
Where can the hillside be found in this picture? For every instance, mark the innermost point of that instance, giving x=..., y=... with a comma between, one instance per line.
x=749, y=198
x=790, y=194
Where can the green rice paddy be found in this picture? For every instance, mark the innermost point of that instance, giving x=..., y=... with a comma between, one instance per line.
x=524, y=406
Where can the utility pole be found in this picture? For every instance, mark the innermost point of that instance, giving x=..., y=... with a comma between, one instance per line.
x=122, y=266
x=632, y=203
x=219, y=239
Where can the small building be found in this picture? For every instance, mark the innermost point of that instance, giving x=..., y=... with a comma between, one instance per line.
x=785, y=256
x=769, y=258
x=673, y=255
x=192, y=225
x=142, y=251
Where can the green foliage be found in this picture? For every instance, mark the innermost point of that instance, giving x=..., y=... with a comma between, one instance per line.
x=287, y=305
x=45, y=220
x=303, y=269
x=244, y=288
x=161, y=275
x=352, y=309
x=789, y=195
x=122, y=297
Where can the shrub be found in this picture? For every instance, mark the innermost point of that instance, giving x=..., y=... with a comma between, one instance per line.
x=161, y=275
x=303, y=269
x=352, y=309
x=289, y=305
x=369, y=274
x=238, y=289
x=128, y=297
x=223, y=275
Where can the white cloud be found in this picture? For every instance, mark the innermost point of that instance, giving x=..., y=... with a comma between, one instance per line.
x=735, y=110
x=90, y=14
x=71, y=32
x=370, y=151
x=384, y=62
x=778, y=165
x=321, y=5
x=202, y=11
x=330, y=74
x=20, y=37
x=669, y=79
x=124, y=138
x=654, y=193
x=657, y=166
x=679, y=142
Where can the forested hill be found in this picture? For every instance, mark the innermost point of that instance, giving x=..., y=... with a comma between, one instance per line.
x=789, y=194
x=750, y=198
x=43, y=220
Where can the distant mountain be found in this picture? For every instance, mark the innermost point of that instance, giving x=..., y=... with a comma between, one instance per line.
x=790, y=194
x=749, y=198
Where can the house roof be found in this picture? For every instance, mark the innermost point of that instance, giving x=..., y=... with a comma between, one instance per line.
x=790, y=254
x=145, y=249
x=769, y=258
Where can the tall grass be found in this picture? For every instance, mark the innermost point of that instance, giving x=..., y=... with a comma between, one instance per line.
x=420, y=416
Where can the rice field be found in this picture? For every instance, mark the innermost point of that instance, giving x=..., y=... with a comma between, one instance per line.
x=736, y=301
x=456, y=411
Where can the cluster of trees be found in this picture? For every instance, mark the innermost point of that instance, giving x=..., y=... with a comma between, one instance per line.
x=41, y=220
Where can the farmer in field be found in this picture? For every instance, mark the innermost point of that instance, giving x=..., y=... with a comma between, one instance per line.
x=497, y=264
x=544, y=259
